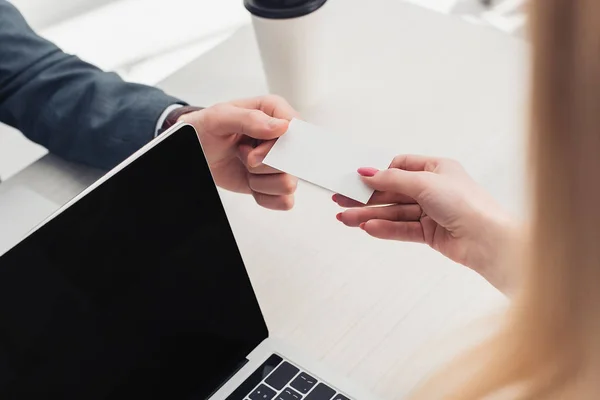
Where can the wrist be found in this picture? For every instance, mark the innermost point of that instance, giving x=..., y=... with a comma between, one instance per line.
x=176, y=115
x=499, y=248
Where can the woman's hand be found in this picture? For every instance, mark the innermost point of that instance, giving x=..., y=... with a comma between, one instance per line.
x=434, y=201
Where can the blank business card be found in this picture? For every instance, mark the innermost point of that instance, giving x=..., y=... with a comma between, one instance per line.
x=326, y=159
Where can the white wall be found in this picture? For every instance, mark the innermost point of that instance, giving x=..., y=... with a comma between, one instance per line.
x=43, y=13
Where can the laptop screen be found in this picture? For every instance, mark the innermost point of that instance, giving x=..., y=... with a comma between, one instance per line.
x=137, y=290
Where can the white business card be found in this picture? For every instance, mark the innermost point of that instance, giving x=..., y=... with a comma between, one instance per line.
x=326, y=159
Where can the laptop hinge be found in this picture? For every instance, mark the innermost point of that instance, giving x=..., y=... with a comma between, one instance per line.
x=227, y=378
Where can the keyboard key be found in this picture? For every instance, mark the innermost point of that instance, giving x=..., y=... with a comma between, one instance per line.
x=289, y=394
x=340, y=397
x=262, y=392
x=282, y=375
x=321, y=392
x=303, y=383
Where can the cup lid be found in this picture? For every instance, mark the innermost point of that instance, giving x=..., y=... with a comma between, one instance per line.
x=282, y=9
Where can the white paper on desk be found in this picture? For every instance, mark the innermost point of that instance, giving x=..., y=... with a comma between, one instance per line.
x=326, y=159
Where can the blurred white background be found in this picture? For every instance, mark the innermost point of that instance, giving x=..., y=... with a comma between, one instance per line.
x=147, y=40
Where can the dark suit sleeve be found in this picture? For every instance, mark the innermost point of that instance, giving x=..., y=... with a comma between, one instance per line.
x=68, y=106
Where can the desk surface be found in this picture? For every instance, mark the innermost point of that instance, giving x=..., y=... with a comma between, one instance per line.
x=414, y=80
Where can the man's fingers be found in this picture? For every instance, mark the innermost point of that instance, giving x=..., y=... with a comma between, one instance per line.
x=252, y=158
x=402, y=231
x=273, y=184
x=272, y=105
x=411, y=184
x=279, y=203
x=227, y=119
x=398, y=212
x=378, y=198
x=257, y=156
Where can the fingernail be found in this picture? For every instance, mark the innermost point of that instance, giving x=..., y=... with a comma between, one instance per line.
x=276, y=123
x=334, y=198
x=367, y=171
x=362, y=226
x=339, y=217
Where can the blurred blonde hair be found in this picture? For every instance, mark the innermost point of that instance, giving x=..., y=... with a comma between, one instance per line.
x=549, y=347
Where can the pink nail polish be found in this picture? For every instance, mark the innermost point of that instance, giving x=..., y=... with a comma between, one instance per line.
x=339, y=217
x=334, y=198
x=367, y=171
x=362, y=226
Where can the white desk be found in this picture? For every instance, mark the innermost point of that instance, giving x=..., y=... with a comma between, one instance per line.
x=408, y=78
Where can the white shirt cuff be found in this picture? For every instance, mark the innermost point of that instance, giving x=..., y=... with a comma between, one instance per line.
x=163, y=117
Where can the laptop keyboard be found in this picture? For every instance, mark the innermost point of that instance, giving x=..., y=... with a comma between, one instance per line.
x=288, y=382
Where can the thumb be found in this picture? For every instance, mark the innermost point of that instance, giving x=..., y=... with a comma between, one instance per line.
x=223, y=120
x=395, y=180
x=254, y=123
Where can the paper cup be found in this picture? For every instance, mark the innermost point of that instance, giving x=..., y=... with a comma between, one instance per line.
x=292, y=43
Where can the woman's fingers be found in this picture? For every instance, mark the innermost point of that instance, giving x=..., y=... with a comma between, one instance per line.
x=411, y=162
x=398, y=212
x=409, y=183
x=378, y=198
x=406, y=179
x=391, y=230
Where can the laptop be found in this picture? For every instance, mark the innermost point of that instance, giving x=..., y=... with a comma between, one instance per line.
x=136, y=289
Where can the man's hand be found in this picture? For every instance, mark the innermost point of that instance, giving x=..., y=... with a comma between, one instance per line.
x=236, y=137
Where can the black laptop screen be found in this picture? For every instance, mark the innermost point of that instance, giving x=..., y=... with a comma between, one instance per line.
x=136, y=291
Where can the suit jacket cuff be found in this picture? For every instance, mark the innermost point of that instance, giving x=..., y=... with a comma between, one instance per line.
x=173, y=115
x=163, y=117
